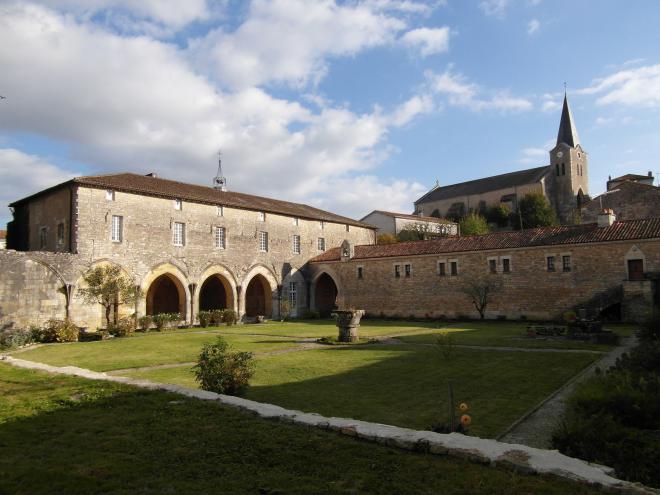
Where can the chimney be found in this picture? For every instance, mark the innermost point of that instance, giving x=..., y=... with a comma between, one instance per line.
x=606, y=217
x=650, y=174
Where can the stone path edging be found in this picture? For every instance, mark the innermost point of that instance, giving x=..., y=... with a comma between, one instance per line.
x=520, y=458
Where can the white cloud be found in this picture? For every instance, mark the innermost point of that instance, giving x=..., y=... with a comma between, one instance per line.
x=635, y=87
x=551, y=102
x=533, y=27
x=22, y=174
x=288, y=41
x=494, y=8
x=462, y=93
x=135, y=104
x=405, y=6
x=428, y=40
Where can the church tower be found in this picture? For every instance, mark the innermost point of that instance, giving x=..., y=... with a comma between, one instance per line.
x=569, y=173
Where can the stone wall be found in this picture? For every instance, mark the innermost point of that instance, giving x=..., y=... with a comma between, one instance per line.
x=528, y=291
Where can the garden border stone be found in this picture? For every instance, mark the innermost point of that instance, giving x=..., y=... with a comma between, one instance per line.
x=520, y=458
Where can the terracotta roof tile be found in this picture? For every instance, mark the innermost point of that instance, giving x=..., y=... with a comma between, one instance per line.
x=153, y=186
x=544, y=236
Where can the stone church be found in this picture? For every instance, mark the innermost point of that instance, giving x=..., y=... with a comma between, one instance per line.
x=565, y=182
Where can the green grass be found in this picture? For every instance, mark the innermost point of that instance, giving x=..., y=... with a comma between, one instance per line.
x=404, y=385
x=66, y=435
x=145, y=349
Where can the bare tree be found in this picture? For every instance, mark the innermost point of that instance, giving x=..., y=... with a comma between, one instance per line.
x=481, y=290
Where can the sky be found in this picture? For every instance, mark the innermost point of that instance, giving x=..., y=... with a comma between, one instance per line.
x=349, y=106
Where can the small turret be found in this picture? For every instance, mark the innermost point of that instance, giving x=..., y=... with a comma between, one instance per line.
x=219, y=181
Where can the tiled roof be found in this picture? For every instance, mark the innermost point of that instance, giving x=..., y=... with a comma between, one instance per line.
x=3, y=234
x=632, y=177
x=153, y=186
x=543, y=236
x=480, y=186
x=411, y=217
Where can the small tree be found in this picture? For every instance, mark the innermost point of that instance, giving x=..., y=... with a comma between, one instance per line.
x=417, y=231
x=481, y=290
x=107, y=286
x=386, y=238
x=535, y=211
x=474, y=224
x=221, y=370
x=499, y=214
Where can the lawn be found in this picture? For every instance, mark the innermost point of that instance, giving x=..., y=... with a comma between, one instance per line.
x=146, y=349
x=404, y=385
x=66, y=435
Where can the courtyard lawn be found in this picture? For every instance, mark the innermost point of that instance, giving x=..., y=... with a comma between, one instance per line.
x=66, y=435
x=404, y=385
x=146, y=349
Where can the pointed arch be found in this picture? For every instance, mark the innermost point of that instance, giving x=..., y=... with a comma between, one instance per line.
x=326, y=292
x=165, y=288
x=259, y=289
x=216, y=289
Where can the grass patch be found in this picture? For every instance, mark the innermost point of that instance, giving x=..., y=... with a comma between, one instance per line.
x=148, y=349
x=118, y=439
x=404, y=385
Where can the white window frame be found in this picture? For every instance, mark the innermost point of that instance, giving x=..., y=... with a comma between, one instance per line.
x=490, y=260
x=179, y=234
x=220, y=237
x=296, y=244
x=261, y=216
x=407, y=270
x=117, y=229
x=508, y=258
x=263, y=241
x=296, y=221
x=321, y=224
x=60, y=233
x=570, y=262
x=109, y=195
x=220, y=211
x=320, y=244
x=178, y=204
x=348, y=228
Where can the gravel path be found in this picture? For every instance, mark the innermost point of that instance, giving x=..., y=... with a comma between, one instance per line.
x=535, y=428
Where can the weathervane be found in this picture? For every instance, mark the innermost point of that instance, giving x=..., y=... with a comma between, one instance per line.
x=220, y=182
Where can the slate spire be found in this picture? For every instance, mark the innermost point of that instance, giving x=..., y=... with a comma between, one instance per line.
x=567, y=131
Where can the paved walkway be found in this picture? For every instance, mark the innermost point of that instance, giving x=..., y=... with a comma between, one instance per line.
x=535, y=428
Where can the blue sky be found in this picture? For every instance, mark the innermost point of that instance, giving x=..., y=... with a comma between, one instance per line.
x=350, y=106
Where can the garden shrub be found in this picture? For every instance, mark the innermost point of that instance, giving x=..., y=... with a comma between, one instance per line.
x=614, y=417
x=145, y=322
x=229, y=317
x=309, y=314
x=160, y=320
x=14, y=337
x=217, y=315
x=205, y=318
x=123, y=328
x=58, y=331
x=221, y=370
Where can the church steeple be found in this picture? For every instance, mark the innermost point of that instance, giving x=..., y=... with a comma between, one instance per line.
x=567, y=131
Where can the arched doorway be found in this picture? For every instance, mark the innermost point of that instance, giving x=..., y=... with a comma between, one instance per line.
x=215, y=293
x=166, y=295
x=325, y=295
x=258, y=297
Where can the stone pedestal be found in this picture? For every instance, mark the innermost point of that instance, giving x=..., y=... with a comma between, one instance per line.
x=348, y=322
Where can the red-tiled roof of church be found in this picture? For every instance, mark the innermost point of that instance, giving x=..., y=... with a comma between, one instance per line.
x=542, y=236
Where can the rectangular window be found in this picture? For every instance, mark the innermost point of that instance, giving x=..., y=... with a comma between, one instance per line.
x=636, y=269
x=178, y=204
x=110, y=195
x=293, y=296
x=453, y=265
x=43, y=237
x=220, y=211
x=179, y=234
x=566, y=263
x=550, y=263
x=441, y=269
x=117, y=228
x=492, y=266
x=321, y=244
x=60, y=234
x=321, y=225
x=348, y=228
x=220, y=237
x=263, y=242
x=261, y=216
x=506, y=265
x=295, y=222
x=296, y=244
x=359, y=272
x=397, y=271
x=407, y=269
